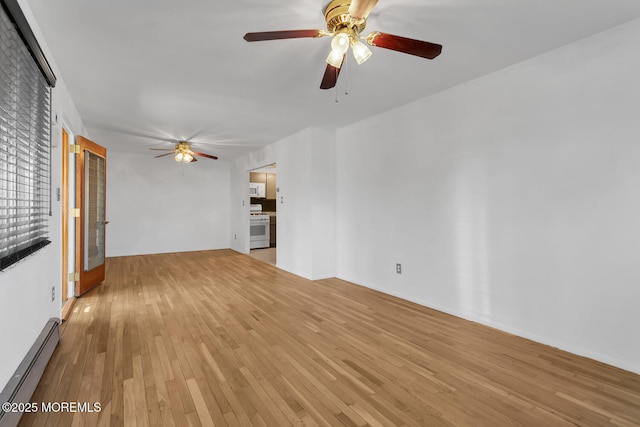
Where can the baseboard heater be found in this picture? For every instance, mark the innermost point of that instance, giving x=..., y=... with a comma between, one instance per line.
x=24, y=381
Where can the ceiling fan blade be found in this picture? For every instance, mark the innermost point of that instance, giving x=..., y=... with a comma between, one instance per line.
x=162, y=155
x=404, y=45
x=361, y=8
x=209, y=156
x=193, y=159
x=331, y=74
x=162, y=149
x=287, y=34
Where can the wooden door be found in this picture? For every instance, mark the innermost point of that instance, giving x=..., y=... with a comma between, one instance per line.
x=91, y=176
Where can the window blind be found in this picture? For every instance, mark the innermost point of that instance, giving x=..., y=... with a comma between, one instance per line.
x=25, y=100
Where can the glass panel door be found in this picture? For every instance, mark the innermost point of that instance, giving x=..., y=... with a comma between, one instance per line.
x=94, y=211
x=90, y=226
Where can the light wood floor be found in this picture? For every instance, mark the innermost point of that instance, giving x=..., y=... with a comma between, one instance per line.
x=219, y=338
x=266, y=255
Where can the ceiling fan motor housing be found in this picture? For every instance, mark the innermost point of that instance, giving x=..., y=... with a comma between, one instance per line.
x=337, y=16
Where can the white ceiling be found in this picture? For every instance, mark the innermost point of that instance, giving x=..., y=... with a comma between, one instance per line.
x=143, y=72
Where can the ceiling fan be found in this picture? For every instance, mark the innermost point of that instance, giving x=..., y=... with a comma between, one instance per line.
x=182, y=153
x=346, y=19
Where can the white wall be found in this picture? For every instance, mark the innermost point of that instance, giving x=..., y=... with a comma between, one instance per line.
x=25, y=288
x=511, y=200
x=159, y=205
x=305, y=205
x=322, y=182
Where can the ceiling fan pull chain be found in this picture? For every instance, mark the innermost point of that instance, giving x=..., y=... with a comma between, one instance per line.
x=336, y=87
x=346, y=71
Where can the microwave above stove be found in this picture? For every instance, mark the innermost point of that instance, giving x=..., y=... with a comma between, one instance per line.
x=257, y=190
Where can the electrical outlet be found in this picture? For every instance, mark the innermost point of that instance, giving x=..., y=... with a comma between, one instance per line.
x=235, y=237
x=53, y=293
x=399, y=268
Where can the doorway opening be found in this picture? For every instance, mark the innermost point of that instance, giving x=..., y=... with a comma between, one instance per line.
x=263, y=228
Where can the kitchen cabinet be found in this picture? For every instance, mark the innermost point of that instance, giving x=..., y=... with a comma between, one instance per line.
x=258, y=177
x=271, y=186
x=272, y=231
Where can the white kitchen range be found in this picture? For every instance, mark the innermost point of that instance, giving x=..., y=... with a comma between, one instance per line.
x=259, y=227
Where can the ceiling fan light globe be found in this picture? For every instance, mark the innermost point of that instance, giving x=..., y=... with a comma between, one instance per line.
x=178, y=157
x=360, y=52
x=335, y=59
x=340, y=43
x=187, y=158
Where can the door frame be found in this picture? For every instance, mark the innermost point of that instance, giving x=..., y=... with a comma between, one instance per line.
x=65, y=215
x=68, y=226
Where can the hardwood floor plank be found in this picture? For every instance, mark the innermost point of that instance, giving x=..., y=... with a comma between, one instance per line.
x=219, y=338
x=154, y=413
x=204, y=412
x=129, y=396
